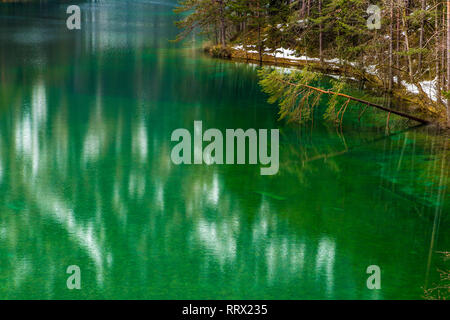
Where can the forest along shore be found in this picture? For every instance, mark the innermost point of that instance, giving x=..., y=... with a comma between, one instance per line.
x=404, y=96
x=398, y=47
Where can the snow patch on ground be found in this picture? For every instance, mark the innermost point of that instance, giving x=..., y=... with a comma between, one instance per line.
x=429, y=87
x=371, y=70
x=279, y=53
x=241, y=47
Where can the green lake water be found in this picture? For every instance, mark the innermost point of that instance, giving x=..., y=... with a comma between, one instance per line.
x=86, y=177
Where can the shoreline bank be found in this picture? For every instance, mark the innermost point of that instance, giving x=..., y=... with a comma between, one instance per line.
x=402, y=97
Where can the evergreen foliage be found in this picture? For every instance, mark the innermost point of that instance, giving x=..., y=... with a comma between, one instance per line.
x=409, y=48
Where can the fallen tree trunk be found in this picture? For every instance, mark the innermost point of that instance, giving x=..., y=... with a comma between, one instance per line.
x=368, y=103
x=348, y=71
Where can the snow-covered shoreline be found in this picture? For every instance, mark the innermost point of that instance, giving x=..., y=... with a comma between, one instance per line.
x=428, y=86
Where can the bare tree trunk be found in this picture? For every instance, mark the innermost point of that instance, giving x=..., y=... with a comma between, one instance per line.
x=391, y=40
x=222, y=34
x=422, y=23
x=437, y=46
x=259, y=33
x=443, y=46
x=320, y=33
x=448, y=60
x=302, y=9
x=405, y=30
x=216, y=34
x=397, y=63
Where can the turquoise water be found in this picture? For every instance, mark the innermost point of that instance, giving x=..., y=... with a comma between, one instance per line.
x=86, y=177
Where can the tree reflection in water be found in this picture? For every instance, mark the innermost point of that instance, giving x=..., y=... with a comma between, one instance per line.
x=86, y=178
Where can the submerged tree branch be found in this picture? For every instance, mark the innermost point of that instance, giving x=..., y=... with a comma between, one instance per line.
x=368, y=103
